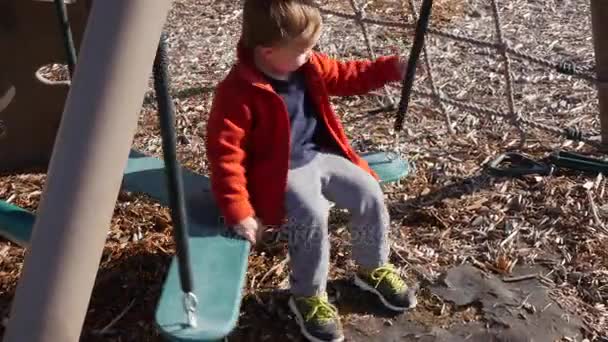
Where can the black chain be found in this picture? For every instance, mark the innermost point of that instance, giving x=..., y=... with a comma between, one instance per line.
x=573, y=133
x=3, y=129
x=567, y=67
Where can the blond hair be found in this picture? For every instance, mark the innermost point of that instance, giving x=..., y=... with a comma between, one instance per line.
x=277, y=22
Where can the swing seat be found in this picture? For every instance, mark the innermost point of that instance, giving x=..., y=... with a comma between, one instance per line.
x=218, y=257
x=388, y=165
x=16, y=223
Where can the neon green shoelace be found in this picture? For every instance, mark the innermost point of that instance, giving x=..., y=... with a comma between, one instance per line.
x=320, y=309
x=389, y=274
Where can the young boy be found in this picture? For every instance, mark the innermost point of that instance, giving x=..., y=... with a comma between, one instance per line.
x=278, y=155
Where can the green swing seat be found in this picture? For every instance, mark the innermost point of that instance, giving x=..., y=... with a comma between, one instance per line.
x=219, y=259
x=15, y=223
x=388, y=165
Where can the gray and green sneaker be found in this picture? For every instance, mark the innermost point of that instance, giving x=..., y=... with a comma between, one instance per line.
x=318, y=319
x=388, y=285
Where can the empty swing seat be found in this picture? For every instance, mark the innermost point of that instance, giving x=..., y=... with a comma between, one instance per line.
x=388, y=165
x=16, y=223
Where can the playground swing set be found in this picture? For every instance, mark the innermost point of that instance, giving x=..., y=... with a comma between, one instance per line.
x=202, y=292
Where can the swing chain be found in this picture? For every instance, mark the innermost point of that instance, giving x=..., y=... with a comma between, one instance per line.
x=190, y=305
x=3, y=129
x=396, y=152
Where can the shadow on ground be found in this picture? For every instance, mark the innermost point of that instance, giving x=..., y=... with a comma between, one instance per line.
x=124, y=299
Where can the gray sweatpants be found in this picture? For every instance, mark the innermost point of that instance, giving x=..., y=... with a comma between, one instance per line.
x=330, y=177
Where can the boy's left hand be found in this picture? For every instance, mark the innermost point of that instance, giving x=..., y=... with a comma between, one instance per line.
x=402, y=67
x=400, y=61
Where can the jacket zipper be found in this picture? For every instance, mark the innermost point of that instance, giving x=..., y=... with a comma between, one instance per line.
x=285, y=117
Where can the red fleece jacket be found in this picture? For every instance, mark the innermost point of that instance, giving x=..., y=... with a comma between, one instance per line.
x=248, y=130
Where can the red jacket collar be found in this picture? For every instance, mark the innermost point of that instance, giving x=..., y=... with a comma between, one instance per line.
x=245, y=67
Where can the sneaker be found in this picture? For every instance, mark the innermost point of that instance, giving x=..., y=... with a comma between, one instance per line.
x=318, y=319
x=388, y=285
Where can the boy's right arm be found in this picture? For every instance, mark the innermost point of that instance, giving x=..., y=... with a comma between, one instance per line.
x=357, y=77
x=227, y=132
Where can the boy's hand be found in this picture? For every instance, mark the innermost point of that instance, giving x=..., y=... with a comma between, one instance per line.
x=401, y=63
x=251, y=229
x=402, y=67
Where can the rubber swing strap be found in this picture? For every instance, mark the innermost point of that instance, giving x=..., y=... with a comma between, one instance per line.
x=66, y=32
x=176, y=188
x=408, y=80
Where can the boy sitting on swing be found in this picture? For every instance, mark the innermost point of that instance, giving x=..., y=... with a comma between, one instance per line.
x=278, y=154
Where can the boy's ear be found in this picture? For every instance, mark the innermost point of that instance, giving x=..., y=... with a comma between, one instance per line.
x=265, y=51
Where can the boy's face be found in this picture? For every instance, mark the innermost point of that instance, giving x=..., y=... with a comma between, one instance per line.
x=289, y=57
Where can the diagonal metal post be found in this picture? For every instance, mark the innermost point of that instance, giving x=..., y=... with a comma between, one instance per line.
x=86, y=170
x=599, y=15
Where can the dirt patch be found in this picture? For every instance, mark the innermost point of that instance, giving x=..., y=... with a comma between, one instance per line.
x=486, y=308
x=518, y=310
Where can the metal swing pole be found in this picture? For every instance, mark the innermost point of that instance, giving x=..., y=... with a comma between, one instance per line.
x=86, y=169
